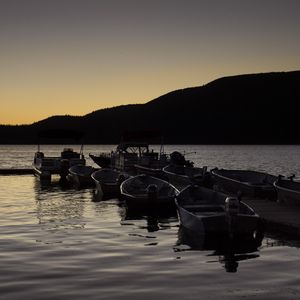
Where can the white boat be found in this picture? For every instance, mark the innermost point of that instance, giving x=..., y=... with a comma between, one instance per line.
x=206, y=211
x=247, y=182
x=108, y=181
x=288, y=191
x=147, y=191
x=80, y=175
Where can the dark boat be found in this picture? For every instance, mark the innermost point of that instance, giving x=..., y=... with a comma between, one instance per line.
x=147, y=191
x=133, y=153
x=45, y=166
x=248, y=183
x=103, y=160
x=288, y=191
x=80, y=175
x=206, y=211
x=108, y=181
x=181, y=176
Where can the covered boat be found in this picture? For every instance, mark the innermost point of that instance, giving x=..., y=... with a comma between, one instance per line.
x=80, y=175
x=206, y=211
x=134, y=152
x=247, y=182
x=147, y=191
x=108, y=181
x=288, y=191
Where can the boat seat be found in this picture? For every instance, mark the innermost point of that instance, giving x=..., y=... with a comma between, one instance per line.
x=205, y=208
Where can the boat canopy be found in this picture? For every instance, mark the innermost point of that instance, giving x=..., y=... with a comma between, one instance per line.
x=133, y=147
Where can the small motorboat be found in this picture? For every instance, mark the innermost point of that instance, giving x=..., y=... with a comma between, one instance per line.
x=288, y=191
x=108, y=181
x=247, y=182
x=80, y=175
x=103, y=160
x=147, y=191
x=153, y=167
x=181, y=176
x=206, y=211
x=45, y=166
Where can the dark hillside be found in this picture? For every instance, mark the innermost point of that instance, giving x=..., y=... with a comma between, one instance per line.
x=243, y=109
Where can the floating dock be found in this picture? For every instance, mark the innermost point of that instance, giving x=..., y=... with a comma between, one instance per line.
x=279, y=218
x=16, y=171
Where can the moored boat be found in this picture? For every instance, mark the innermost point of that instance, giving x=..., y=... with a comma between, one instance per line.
x=45, y=166
x=132, y=153
x=147, y=191
x=182, y=176
x=80, y=175
x=206, y=211
x=247, y=182
x=108, y=181
x=288, y=191
x=103, y=160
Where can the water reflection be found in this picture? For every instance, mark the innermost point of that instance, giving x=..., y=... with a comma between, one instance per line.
x=228, y=250
x=154, y=219
x=59, y=209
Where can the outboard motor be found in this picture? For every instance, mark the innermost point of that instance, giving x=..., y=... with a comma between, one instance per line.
x=64, y=168
x=121, y=178
x=152, y=191
x=177, y=158
x=232, y=206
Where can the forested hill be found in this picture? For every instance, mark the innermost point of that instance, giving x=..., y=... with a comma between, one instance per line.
x=243, y=109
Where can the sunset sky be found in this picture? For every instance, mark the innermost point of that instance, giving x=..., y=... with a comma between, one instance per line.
x=62, y=57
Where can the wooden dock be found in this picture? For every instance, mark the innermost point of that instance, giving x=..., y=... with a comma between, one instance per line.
x=16, y=171
x=279, y=218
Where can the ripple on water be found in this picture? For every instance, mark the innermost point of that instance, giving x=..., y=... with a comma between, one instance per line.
x=56, y=243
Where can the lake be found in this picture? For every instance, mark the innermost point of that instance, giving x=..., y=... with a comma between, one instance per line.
x=58, y=243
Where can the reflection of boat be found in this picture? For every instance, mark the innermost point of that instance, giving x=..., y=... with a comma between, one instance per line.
x=249, y=183
x=156, y=219
x=207, y=211
x=147, y=191
x=182, y=176
x=45, y=166
x=229, y=250
x=81, y=175
x=288, y=191
x=108, y=181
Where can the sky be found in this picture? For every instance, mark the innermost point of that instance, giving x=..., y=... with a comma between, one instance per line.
x=73, y=57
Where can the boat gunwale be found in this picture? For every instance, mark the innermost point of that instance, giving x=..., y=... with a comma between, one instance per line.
x=245, y=183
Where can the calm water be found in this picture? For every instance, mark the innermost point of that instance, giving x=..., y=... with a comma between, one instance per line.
x=57, y=243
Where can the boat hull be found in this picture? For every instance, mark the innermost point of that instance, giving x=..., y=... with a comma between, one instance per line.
x=219, y=223
x=288, y=192
x=256, y=188
x=136, y=191
x=206, y=211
